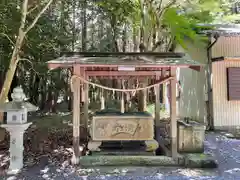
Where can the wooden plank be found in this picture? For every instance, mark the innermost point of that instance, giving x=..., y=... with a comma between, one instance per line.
x=173, y=115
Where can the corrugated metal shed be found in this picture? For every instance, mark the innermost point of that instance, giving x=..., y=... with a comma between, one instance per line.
x=227, y=46
x=226, y=114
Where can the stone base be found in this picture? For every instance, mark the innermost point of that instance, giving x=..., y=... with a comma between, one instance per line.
x=93, y=161
x=16, y=145
x=191, y=137
x=122, y=153
x=94, y=146
x=13, y=172
x=151, y=145
x=200, y=161
x=74, y=160
x=148, y=146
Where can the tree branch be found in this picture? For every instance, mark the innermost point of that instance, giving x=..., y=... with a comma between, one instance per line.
x=158, y=43
x=32, y=68
x=160, y=6
x=169, y=44
x=38, y=16
x=166, y=7
x=24, y=15
x=3, y=34
x=31, y=10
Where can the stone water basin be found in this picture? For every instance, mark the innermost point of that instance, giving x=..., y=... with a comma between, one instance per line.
x=112, y=125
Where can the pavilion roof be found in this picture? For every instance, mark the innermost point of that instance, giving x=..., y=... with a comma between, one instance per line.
x=131, y=59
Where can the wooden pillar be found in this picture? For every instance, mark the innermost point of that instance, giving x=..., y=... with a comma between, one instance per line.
x=157, y=103
x=84, y=98
x=76, y=121
x=86, y=103
x=173, y=117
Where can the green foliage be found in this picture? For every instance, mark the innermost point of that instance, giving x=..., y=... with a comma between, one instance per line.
x=59, y=30
x=118, y=10
x=180, y=26
x=178, y=20
x=9, y=20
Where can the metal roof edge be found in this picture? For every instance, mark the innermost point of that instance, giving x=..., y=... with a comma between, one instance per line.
x=225, y=58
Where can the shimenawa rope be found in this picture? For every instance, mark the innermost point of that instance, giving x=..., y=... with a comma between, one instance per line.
x=115, y=89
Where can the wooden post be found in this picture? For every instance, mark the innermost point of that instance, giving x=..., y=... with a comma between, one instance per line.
x=76, y=121
x=173, y=123
x=86, y=103
x=157, y=103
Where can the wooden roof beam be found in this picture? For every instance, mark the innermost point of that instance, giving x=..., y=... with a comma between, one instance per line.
x=123, y=73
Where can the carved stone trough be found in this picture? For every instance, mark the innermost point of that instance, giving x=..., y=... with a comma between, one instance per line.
x=125, y=127
x=117, y=126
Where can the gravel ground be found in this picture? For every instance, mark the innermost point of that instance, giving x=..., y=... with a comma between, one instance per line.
x=226, y=151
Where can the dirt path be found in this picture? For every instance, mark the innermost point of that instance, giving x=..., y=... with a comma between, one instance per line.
x=226, y=151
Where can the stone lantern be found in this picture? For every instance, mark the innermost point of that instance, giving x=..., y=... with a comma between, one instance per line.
x=16, y=125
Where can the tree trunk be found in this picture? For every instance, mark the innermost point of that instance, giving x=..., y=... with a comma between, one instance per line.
x=74, y=25
x=13, y=85
x=7, y=84
x=17, y=48
x=12, y=67
x=135, y=46
x=84, y=25
x=115, y=43
x=124, y=39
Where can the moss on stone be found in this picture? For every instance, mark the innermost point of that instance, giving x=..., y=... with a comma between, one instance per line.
x=200, y=161
x=128, y=160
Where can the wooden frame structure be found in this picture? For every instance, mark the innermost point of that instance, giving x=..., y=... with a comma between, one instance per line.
x=157, y=66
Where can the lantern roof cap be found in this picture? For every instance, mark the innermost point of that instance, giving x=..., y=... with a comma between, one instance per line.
x=18, y=102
